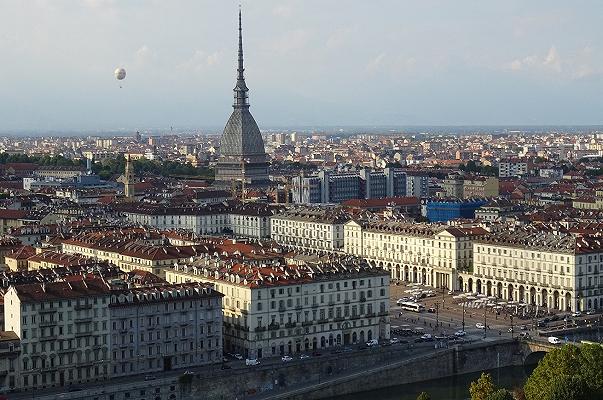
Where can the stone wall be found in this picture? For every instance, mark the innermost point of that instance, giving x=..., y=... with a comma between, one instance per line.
x=323, y=377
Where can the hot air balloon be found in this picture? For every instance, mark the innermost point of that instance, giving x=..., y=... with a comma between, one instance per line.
x=120, y=74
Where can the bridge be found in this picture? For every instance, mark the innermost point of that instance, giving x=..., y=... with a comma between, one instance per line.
x=534, y=350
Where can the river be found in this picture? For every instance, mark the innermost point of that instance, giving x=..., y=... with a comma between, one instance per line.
x=451, y=388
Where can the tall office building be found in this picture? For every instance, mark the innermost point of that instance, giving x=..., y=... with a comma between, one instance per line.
x=242, y=155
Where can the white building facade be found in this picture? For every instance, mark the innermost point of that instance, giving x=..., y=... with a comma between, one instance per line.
x=293, y=310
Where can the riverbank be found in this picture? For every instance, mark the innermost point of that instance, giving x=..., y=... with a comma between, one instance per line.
x=322, y=378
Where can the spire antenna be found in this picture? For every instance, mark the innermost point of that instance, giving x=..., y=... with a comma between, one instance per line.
x=240, y=90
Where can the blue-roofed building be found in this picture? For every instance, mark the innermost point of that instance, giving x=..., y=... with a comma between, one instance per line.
x=445, y=210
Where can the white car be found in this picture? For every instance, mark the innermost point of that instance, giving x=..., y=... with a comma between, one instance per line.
x=251, y=361
x=286, y=358
x=479, y=325
x=426, y=336
x=303, y=356
x=394, y=340
x=460, y=333
x=577, y=314
x=372, y=342
x=554, y=340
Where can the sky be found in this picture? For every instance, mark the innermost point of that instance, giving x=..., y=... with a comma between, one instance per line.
x=308, y=63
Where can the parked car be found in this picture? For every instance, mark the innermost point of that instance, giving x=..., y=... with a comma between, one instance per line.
x=460, y=333
x=590, y=312
x=576, y=314
x=286, y=358
x=238, y=356
x=187, y=372
x=225, y=366
x=479, y=325
x=524, y=335
x=394, y=340
x=523, y=327
x=251, y=361
x=149, y=377
x=431, y=310
x=554, y=340
x=450, y=292
x=427, y=337
x=303, y=356
x=372, y=343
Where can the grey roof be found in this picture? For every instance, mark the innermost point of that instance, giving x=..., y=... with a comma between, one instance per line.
x=241, y=135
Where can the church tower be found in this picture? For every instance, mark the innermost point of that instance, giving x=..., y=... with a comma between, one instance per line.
x=129, y=190
x=242, y=155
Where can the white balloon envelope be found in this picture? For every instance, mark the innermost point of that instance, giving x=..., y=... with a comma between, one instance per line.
x=120, y=74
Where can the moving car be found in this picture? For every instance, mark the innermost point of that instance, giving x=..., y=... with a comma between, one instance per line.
x=460, y=333
x=149, y=378
x=427, y=337
x=286, y=358
x=394, y=340
x=479, y=325
x=238, y=356
x=554, y=340
x=431, y=310
x=251, y=361
x=303, y=356
x=576, y=314
x=372, y=342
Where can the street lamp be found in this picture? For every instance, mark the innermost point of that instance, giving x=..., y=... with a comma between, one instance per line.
x=463, y=316
x=485, y=326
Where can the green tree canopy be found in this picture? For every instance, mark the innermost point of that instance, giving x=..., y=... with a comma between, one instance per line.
x=501, y=394
x=482, y=388
x=568, y=371
x=423, y=396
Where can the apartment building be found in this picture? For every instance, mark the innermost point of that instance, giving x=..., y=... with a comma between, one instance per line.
x=513, y=167
x=549, y=269
x=239, y=219
x=337, y=187
x=310, y=228
x=295, y=308
x=164, y=327
x=64, y=331
x=430, y=254
x=129, y=250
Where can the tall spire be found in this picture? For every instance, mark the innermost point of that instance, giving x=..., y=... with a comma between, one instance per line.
x=240, y=90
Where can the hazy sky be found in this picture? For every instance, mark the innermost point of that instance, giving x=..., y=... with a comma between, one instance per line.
x=308, y=62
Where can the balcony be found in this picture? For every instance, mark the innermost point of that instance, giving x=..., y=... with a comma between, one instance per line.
x=339, y=319
x=290, y=325
x=307, y=323
x=273, y=326
x=369, y=315
x=82, y=307
x=47, y=311
x=315, y=305
x=81, y=320
x=363, y=299
x=48, y=323
x=322, y=321
x=282, y=309
x=260, y=329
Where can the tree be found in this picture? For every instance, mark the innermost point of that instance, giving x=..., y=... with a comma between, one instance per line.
x=482, y=388
x=501, y=394
x=566, y=387
x=423, y=396
x=568, y=371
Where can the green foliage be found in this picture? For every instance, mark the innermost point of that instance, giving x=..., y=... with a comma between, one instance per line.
x=46, y=160
x=568, y=373
x=423, y=396
x=482, y=388
x=501, y=394
x=566, y=387
x=116, y=166
x=472, y=166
